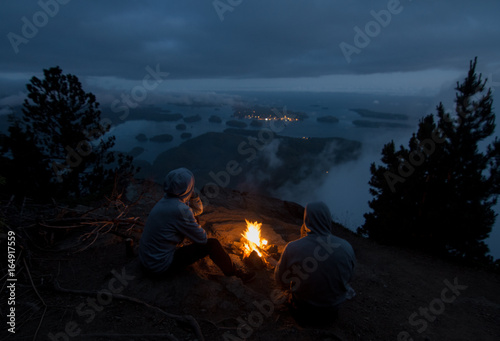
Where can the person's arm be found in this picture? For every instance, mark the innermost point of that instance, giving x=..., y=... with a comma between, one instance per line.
x=188, y=226
x=196, y=204
x=280, y=269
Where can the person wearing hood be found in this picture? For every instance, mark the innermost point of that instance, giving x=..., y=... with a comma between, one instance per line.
x=316, y=269
x=172, y=220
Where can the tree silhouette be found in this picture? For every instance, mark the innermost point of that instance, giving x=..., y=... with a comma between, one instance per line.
x=438, y=193
x=60, y=147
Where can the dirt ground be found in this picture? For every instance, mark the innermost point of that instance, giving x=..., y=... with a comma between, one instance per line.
x=101, y=294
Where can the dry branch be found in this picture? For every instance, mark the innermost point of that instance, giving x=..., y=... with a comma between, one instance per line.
x=181, y=318
x=40, y=297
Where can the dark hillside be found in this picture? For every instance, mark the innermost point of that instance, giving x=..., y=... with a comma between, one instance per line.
x=262, y=161
x=398, y=290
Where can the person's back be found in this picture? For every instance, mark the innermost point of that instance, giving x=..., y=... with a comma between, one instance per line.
x=318, y=267
x=166, y=228
x=169, y=222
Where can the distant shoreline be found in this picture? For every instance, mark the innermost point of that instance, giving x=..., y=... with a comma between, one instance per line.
x=381, y=115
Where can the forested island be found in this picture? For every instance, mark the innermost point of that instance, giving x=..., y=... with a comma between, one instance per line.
x=268, y=114
x=327, y=119
x=296, y=158
x=162, y=138
x=381, y=115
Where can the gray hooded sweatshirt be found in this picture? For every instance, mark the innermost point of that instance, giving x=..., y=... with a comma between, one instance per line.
x=170, y=221
x=317, y=267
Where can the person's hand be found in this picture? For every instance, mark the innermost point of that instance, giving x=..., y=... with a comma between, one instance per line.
x=195, y=204
x=304, y=231
x=272, y=261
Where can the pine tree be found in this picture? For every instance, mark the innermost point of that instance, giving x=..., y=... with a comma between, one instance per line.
x=59, y=148
x=438, y=193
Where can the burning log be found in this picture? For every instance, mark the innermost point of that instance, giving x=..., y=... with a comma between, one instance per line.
x=272, y=249
x=254, y=261
x=257, y=254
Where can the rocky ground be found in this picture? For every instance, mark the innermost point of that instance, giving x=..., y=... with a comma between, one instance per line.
x=100, y=293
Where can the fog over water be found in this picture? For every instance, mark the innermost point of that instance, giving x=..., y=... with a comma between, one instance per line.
x=345, y=188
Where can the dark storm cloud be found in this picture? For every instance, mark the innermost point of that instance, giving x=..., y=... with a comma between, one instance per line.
x=257, y=39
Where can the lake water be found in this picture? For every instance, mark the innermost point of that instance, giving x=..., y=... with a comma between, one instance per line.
x=315, y=105
x=346, y=187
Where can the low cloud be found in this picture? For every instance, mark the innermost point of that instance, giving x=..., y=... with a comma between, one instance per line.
x=189, y=98
x=269, y=153
x=13, y=100
x=344, y=189
x=5, y=111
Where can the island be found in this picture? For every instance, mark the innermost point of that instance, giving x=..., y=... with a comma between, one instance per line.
x=162, y=138
x=381, y=115
x=136, y=151
x=327, y=119
x=169, y=117
x=181, y=126
x=213, y=152
x=141, y=137
x=236, y=124
x=215, y=119
x=268, y=114
x=192, y=119
x=256, y=124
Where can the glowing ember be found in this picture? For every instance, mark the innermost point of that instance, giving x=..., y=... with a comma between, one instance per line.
x=253, y=241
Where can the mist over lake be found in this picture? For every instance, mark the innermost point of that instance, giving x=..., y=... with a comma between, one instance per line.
x=345, y=186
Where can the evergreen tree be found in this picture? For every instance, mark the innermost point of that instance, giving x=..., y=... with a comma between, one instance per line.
x=59, y=147
x=438, y=193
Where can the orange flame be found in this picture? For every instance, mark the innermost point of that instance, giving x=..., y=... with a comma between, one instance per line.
x=253, y=240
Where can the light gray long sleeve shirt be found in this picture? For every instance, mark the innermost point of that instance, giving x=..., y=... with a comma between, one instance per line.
x=170, y=221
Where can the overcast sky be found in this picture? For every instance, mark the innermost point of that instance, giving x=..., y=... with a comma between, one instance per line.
x=318, y=45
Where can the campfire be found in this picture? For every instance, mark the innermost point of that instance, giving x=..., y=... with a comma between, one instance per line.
x=252, y=240
x=256, y=250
